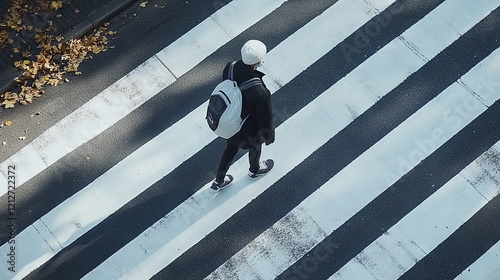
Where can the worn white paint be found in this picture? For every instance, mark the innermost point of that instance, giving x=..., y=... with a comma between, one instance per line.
x=484, y=175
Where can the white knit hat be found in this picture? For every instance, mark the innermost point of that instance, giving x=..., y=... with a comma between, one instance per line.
x=253, y=52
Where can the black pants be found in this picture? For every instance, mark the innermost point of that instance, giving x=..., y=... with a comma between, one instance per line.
x=230, y=153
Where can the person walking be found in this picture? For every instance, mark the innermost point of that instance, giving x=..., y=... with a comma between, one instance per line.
x=258, y=127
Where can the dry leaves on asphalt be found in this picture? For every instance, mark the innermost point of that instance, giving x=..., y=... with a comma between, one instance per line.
x=55, y=57
x=17, y=12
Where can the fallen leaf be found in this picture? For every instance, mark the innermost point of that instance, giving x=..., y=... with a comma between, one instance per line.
x=53, y=82
x=8, y=104
x=56, y=5
x=8, y=123
x=143, y=4
x=96, y=49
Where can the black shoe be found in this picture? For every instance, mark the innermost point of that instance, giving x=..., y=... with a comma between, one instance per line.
x=264, y=167
x=219, y=186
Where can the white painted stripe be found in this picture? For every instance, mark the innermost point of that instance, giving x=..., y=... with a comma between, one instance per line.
x=486, y=84
x=487, y=267
x=484, y=175
x=203, y=212
x=202, y=202
x=131, y=91
x=484, y=172
x=346, y=193
x=317, y=216
x=123, y=182
x=215, y=31
x=424, y=228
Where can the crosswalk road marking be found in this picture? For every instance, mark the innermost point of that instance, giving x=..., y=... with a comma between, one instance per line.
x=277, y=249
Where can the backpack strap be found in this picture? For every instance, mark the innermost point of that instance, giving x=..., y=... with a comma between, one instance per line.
x=230, y=73
x=250, y=83
x=245, y=85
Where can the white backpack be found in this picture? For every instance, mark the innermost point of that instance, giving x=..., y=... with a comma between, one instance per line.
x=225, y=104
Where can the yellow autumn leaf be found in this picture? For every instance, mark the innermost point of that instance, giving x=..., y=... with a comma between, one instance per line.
x=8, y=123
x=10, y=95
x=38, y=84
x=53, y=82
x=8, y=104
x=15, y=50
x=56, y=5
x=96, y=49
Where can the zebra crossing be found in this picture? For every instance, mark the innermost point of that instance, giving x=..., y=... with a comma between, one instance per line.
x=302, y=220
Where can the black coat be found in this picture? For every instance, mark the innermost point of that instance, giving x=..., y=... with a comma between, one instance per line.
x=259, y=126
